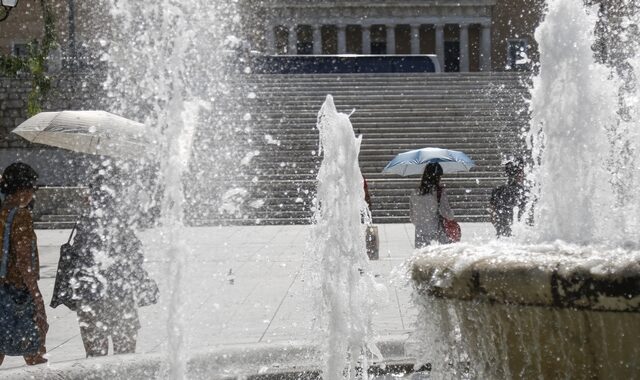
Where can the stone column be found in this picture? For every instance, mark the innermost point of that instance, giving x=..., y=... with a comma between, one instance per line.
x=317, y=39
x=440, y=44
x=415, y=39
x=366, y=39
x=342, y=39
x=391, y=39
x=270, y=40
x=485, y=48
x=293, y=41
x=464, y=48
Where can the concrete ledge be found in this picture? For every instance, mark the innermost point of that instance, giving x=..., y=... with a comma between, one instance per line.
x=567, y=277
x=227, y=362
x=552, y=311
x=59, y=201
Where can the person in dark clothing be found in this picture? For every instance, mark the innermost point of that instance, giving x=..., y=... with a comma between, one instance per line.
x=108, y=275
x=107, y=307
x=505, y=198
x=21, y=261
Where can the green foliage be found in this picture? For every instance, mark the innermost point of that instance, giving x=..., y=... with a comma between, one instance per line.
x=35, y=63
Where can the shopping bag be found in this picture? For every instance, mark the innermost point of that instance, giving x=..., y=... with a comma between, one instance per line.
x=148, y=292
x=373, y=243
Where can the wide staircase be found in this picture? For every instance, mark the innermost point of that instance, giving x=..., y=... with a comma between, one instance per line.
x=272, y=150
x=481, y=114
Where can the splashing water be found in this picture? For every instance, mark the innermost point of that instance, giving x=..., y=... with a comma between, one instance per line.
x=584, y=203
x=574, y=104
x=176, y=86
x=337, y=260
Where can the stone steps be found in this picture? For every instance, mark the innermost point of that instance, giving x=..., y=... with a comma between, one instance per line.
x=479, y=113
x=55, y=221
x=394, y=114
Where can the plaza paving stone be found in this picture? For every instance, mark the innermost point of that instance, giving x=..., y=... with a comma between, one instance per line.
x=263, y=301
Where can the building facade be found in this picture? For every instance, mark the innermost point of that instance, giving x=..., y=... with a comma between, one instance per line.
x=465, y=35
x=471, y=35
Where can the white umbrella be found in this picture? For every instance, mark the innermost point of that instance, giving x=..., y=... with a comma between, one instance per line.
x=413, y=162
x=93, y=132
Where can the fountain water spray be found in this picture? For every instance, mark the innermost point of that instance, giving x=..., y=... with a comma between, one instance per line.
x=337, y=259
x=166, y=68
x=560, y=299
x=574, y=104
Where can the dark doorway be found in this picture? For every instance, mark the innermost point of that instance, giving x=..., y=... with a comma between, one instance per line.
x=354, y=39
x=329, y=39
x=378, y=39
x=282, y=39
x=305, y=39
x=403, y=39
x=451, y=56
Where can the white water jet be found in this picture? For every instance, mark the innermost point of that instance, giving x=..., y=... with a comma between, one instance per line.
x=574, y=104
x=166, y=69
x=336, y=258
x=503, y=309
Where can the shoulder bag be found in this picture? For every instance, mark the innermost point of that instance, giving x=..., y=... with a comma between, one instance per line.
x=62, y=289
x=18, y=330
x=450, y=227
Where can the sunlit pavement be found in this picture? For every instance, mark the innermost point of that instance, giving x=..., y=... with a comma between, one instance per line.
x=240, y=285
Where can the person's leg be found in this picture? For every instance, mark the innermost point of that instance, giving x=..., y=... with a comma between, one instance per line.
x=124, y=338
x=35, y=359
x=94, y=333
x=43, y=328
x=125, y=324
x=421, y=240
x=416, y=238
x=1, y=358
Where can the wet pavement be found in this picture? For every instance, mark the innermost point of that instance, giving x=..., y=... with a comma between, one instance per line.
x=241, y=285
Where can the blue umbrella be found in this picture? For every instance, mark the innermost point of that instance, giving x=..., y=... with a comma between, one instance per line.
x=413, y=162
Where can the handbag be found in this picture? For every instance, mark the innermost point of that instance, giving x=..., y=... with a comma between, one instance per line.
x=19, y=333
x=450, y=227
x=148, y=292
x=372, y=242
x=452, y=230
x=62, y=290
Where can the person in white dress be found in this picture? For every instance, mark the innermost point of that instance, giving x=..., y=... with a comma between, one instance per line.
x=428, y=206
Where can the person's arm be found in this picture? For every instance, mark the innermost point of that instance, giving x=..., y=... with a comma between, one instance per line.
x=445, y=209
x=493, y=207
x=412, y=209
x=367, y=196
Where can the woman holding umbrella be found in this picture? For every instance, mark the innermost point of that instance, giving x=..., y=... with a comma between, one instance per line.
x=106, y=277
x=429, y=205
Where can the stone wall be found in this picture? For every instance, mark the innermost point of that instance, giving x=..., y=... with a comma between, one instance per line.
x=71, y=90
x=13, y=109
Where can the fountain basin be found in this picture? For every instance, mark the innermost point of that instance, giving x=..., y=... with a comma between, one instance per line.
x=283, y=360
x=504, y=311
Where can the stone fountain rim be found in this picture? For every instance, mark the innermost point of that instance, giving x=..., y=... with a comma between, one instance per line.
x=225, y=361
x=444, y=272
